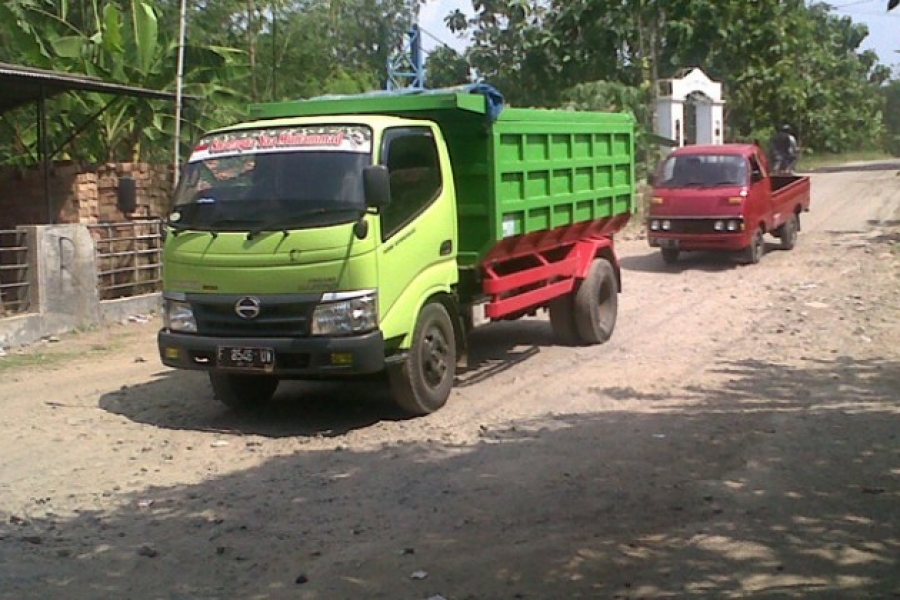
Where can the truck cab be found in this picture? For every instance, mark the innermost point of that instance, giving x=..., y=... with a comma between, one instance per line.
x=275, y=251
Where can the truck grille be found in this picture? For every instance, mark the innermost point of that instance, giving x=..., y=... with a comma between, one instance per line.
x=692, y=226
x=281, y=317
x=695, y=225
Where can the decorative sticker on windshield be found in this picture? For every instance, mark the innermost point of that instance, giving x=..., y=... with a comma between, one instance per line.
x=329, y=138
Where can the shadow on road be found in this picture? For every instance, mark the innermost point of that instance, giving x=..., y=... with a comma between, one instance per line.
x=779, y=482
x=184, y=400
x=501, y=346
x=711, y=262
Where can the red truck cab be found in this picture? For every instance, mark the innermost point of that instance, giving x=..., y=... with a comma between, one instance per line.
x=723, y=198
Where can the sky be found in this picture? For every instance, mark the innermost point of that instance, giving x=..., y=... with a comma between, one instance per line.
x=431, y=20
x=884, y=27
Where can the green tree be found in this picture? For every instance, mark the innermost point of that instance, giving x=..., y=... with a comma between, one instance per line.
x=446, y=67
x=512, y=47
x=892, y=117
x=780, y=60
x=124, y=45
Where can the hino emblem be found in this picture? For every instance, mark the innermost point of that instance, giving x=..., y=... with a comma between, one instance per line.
x=247, y=307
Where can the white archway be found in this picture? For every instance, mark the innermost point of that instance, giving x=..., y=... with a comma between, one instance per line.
x=707, y=97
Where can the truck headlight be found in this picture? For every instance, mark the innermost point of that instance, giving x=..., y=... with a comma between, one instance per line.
x=719, y=226
x=346, y=317
x=654, y=225
x=179, y=316
x=732, y=225
x=666, y=225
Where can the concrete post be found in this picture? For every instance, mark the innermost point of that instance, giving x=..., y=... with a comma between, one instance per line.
x=67, y=276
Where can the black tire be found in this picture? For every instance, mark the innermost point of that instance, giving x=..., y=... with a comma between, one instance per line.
x=597, y=303
x=562, y=320
x=754, y=253
x=788, y=233
x=242, y=392
x=670, y=255
x=422, y=384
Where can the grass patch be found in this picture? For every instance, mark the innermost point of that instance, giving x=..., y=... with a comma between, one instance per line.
x=58, y=354
x=817, y=161
x=35, y=359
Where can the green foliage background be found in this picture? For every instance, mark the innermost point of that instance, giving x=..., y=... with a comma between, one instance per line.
x=781, y=61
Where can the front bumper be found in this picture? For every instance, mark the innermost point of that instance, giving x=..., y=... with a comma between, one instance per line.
x=699, y=241
x=294, y=357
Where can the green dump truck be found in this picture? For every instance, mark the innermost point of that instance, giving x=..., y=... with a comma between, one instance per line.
x=358, y=235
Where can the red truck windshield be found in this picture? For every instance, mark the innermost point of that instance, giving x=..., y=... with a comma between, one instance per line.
x=702, y=170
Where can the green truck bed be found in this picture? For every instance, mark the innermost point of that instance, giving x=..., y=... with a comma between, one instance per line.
x=525, y=171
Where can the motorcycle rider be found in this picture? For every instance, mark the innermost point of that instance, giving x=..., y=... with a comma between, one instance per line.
x=785, y=151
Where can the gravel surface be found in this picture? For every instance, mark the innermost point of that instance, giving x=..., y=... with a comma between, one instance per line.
x=738, y=437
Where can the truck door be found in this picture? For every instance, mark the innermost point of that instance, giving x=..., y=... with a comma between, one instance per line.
x=759, y=201
x=418, y=227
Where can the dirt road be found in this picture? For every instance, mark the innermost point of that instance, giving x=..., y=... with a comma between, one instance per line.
x=738, y=437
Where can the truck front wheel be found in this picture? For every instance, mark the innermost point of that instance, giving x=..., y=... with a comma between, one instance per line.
x=597, y=303
x=242, y=392
x=422, y=384
x=754, y=253
x=670, y=255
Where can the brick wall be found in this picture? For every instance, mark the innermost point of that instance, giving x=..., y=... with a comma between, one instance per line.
x=81, y=194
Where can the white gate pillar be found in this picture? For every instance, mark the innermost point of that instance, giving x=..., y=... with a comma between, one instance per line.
x=710, y=111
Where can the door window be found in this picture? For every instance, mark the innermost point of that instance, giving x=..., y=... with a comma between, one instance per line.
x=415, y=173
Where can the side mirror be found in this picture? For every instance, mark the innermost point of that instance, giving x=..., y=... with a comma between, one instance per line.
x=756, y=175
x=377, y=186
x=126, y=195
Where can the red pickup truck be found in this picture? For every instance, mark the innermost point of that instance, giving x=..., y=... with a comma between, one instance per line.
x=723, y=198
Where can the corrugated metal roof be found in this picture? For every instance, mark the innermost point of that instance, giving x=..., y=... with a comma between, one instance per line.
x=23, y=85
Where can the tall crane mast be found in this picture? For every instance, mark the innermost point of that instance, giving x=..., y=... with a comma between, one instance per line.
x=404, y=65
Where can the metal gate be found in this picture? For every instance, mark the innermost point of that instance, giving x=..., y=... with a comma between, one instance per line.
x=129, y=258
x=14, y=275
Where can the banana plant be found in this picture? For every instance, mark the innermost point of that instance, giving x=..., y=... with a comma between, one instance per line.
x=100, y=39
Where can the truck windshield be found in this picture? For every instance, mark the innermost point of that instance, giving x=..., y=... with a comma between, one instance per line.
x=702, y=170
x=284, y=178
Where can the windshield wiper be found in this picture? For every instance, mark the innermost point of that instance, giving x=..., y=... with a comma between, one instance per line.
x=179, y=227
x=282, y=223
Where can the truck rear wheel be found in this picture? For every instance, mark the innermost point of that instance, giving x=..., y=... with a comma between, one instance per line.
x=422, y=384
x=597, y=303
x=562, y=320
x=242, y=392
x=788, y=233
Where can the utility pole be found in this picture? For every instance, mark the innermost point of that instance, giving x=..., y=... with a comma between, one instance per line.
x=404, y=65
x=179, y=87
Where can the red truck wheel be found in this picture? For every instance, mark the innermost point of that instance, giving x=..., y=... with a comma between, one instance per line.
x=670, y=255
x=788, y=233
x=754, y=253
x=242, y=392
x=597, y=303
x=422, y=384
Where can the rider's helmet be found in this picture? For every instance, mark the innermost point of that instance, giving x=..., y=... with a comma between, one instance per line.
x=786, y=128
